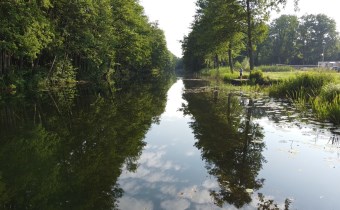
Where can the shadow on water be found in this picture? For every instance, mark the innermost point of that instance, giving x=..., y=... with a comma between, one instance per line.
x=65, y=149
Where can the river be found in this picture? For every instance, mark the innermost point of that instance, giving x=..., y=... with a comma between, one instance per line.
x=163, y=145
x=206, y=155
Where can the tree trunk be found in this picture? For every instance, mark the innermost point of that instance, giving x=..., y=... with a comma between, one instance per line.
x=1, y=62
x=230, y=59
x=216, y=63
x=250, y=41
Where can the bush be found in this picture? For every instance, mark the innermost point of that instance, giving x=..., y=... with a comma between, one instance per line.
x=256, y=77
x=64, y=71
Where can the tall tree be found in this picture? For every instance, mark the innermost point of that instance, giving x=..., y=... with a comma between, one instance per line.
x=283, y=36
x=319, y=36
x=84, y=38
x=257, y=12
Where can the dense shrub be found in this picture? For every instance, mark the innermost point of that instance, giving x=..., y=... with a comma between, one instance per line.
x=257, y=77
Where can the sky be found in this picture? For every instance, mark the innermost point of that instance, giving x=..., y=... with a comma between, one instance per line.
x=175, y=16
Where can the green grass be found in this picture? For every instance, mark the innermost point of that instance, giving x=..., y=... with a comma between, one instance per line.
x=276, y=68
x=222, y=73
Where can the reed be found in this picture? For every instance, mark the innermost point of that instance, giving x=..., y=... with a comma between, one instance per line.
x=310, y=83
x=326, y=105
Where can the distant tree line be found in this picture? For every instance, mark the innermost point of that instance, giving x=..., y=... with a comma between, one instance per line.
x=300, y=41
x=80, y=39
x=225, y=31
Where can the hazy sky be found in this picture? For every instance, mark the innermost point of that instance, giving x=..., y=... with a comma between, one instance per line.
x=175, y=16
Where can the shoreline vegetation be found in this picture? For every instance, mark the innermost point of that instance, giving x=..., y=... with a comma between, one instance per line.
x=56, y=43
x=239, y=34
x=315, y=90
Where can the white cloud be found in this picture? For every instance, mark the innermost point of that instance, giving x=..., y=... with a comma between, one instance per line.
x=169, y=190
x=197, y=195
x=175, y=204
x=128, y=203
x=155, y=160
x=210, y=184
x=190, y=153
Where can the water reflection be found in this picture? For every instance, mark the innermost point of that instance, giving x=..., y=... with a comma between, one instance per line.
x=66, y=149
x=230, y=143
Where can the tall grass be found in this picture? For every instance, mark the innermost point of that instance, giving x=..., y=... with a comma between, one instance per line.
x=310, y=83
x=276, y=68
x=318, y=90
x=327, y=105
x=223, y=73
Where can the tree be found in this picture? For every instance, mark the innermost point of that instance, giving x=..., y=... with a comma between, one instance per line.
x=86, y=39
x=319, y=37
x=24, y=32
x=226, y=145
x=306, y=40
x=256, y=13
x=221, y=25
x=215, y=32
x=66, y=149
x=284, y=35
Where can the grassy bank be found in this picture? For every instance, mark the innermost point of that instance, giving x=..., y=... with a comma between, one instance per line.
x=309, y=89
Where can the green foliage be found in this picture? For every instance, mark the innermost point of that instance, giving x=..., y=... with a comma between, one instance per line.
x=327, y=104
x=65, y=149
x=330, y=91
x=225, y=145
x=89, y=38
x=257, y=77
x=327, y=110
x=63, y=72
x=245, y=64
x=24, y=29
x=315, y=90
x=222, y=29
x=300, y=41
x=212, y=35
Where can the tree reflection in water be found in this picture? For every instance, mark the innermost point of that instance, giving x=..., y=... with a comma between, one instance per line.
x=65, y=149
x=230, y=143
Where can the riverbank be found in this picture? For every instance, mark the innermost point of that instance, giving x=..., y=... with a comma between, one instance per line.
x=309, y=90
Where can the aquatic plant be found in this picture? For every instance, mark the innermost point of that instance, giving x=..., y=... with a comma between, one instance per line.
x=330, y=91
x=300, y=99
x=315, y=90
x=327, y=110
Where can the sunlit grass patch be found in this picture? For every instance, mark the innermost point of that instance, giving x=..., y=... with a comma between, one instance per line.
x=310, y=83
x=276, y=68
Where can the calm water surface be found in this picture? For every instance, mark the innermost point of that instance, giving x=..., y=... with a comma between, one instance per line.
x=220, y=152
x=142, y=145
